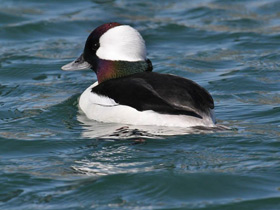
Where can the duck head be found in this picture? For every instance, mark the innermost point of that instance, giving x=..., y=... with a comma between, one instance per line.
x=112, y=50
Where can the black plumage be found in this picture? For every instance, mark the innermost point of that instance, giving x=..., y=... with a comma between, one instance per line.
x=162, y=93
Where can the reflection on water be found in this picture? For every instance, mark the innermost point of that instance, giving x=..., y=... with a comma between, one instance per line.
x=94, y=168
x=124, y=158
x=94, y=129
x=53, y=157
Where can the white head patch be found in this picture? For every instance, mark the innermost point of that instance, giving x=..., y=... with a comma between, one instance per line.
x=122, y=43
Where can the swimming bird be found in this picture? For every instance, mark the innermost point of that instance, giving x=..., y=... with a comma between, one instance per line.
x=127, y=91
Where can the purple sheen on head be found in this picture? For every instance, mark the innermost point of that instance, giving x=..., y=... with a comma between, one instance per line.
x=92, y=43
x=100, y=30
x=107, y=70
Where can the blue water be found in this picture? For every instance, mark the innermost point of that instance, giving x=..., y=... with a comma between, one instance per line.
x=52, y=157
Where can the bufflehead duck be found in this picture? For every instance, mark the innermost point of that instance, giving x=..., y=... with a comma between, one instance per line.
x=128, y=92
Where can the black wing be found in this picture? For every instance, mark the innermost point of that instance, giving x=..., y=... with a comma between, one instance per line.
x=162, y=93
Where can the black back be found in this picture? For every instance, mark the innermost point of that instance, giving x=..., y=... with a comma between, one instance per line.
x=162, y=93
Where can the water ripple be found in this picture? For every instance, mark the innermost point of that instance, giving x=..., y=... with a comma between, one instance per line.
x=52, y=157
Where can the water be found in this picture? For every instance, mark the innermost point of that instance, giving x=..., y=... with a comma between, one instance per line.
x=51, y=156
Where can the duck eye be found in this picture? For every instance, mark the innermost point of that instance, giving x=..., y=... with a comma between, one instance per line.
x=95, y=46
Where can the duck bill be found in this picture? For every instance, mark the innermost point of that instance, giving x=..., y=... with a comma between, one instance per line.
x=78, y=64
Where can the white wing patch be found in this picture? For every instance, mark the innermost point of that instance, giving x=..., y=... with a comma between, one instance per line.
x=89, y=98
x=101, y=100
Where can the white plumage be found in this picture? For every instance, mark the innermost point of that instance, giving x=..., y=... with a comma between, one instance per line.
x=104, y=109
x=122, y=43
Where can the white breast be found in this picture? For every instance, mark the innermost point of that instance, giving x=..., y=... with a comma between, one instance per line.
x=104, y=109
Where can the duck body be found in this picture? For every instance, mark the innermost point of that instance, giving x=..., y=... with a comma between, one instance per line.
x=128, y=92
x=149, y=98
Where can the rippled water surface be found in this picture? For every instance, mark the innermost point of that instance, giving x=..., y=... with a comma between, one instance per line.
x=52, y=157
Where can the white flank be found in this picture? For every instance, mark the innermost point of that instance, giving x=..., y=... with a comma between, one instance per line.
x=122, y=43
x=104, y=109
